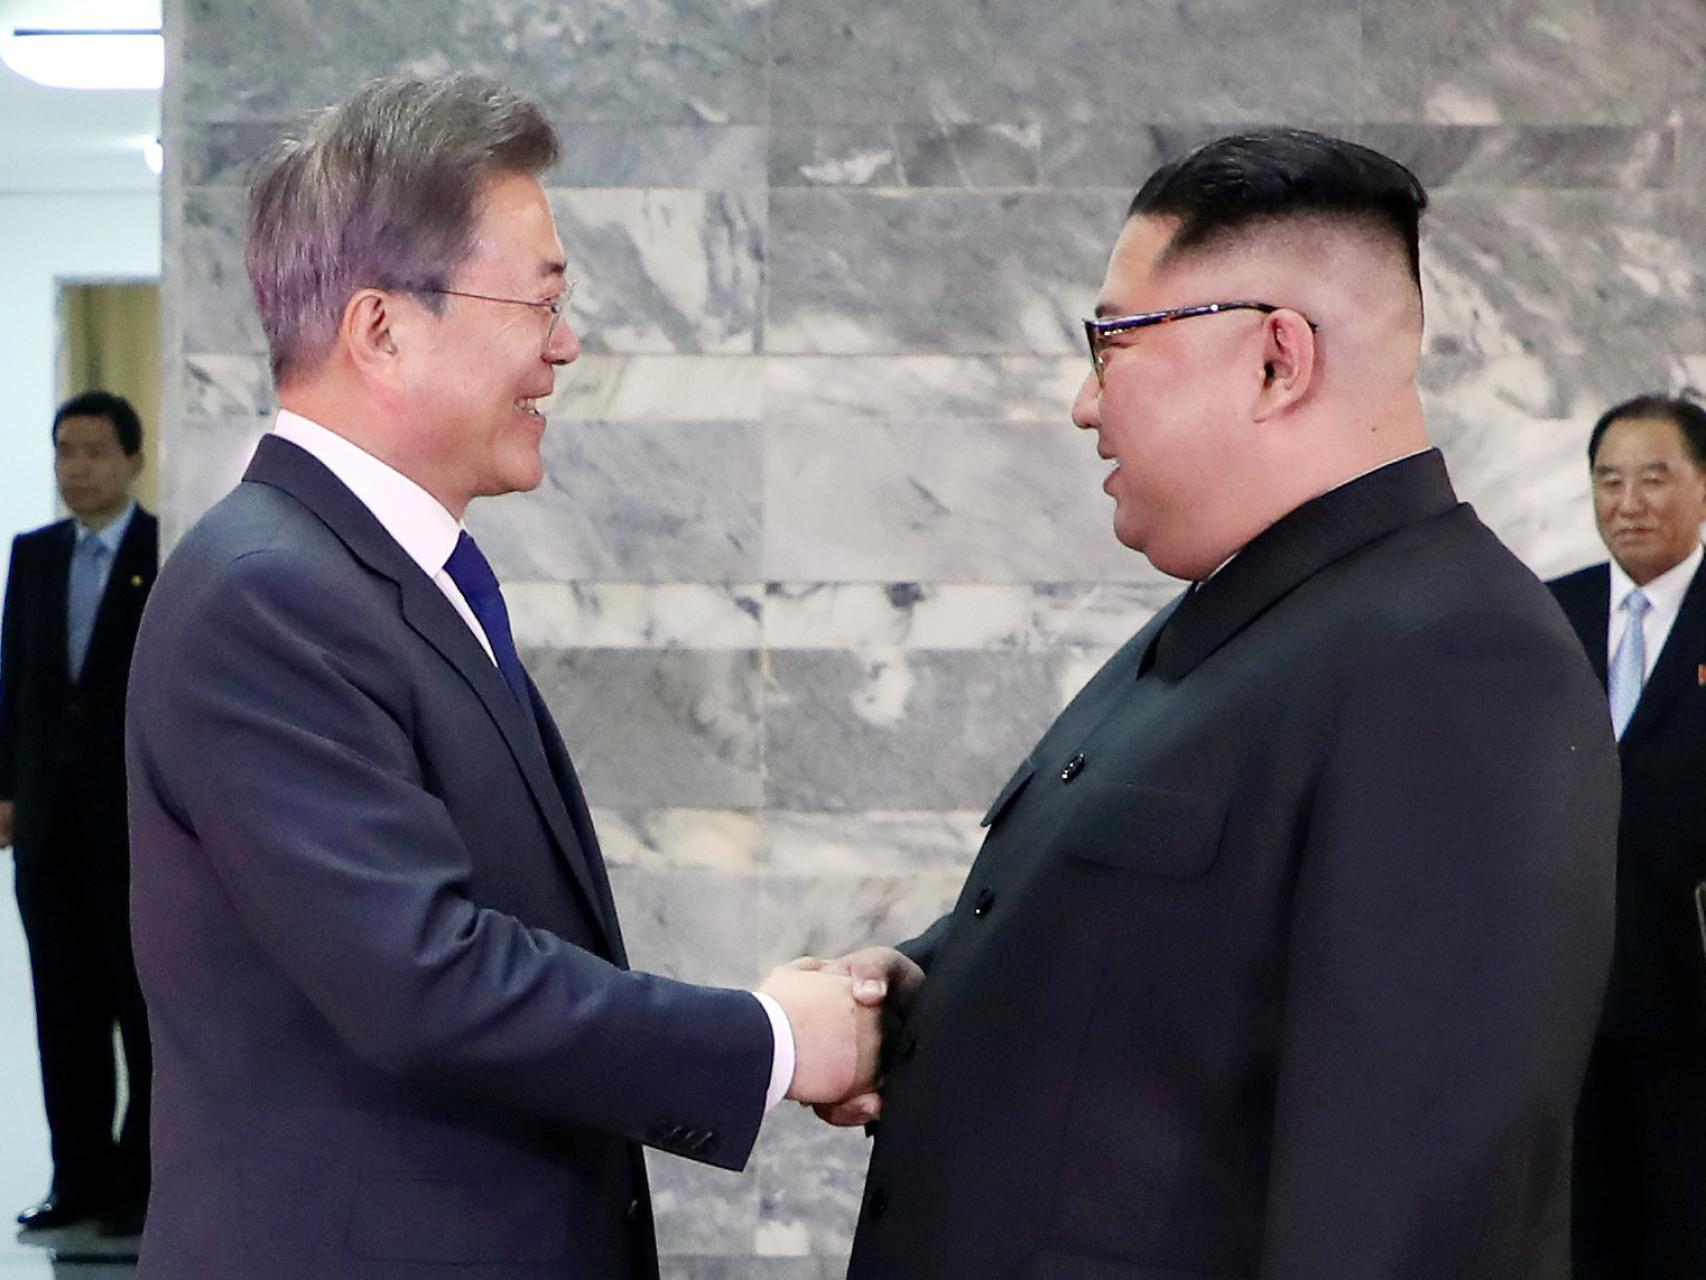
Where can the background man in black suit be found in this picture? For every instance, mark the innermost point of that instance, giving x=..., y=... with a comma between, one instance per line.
x=396, y=1031
x=1284, y=948
x=1640, y=1185
x=74, y=597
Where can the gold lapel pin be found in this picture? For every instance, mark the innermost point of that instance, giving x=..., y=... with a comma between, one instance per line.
x=1700, y=674
x=136, y=581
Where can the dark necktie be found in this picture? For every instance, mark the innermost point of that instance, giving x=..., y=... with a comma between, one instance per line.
x=474, y=578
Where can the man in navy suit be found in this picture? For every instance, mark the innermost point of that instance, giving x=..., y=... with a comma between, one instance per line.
x=396, y=1031
x=74, y=597
x=1283, y=951
x=1641, y=1125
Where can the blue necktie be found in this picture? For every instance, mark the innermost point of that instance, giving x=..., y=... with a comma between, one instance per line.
x=83, y=600
x=474, y=578
x=1629, y=664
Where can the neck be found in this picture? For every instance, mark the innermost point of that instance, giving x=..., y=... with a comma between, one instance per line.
x=95, y=521
x=368, y=427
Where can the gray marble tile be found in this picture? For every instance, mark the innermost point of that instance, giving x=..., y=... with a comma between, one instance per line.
x=981, y=502
x=1529, y=61
x=221, y=153
x=811, y=1177
x=952, y=155
x=660, y=388
x=201, y=460
x=1564, y=276
x=876, y=843
x=663, y=270
x=1074, y=60
x=705, y=1214
x=934, y=387
x=900, y=729
x=829, y=913
x=901, y=615
x=228, y=386
x=702, y=1267
x=710, y=157
x=669, y=502
x=1503, y=157
x=1118, y=154
x=891, y=273
x=218, y=311
x=1099, y=616
x=721, y=840
x=658, y=729
x=690, y=923
x=635, y=615
x=661, y=61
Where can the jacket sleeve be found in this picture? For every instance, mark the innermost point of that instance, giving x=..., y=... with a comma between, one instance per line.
x=1450, y=945
x=271, y=721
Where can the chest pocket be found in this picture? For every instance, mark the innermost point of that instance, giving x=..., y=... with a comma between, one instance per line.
x=1159, y=832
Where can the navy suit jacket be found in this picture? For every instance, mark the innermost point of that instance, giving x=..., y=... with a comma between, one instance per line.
x=62, y=740
x=1658, y=971
x=395, y=1032
x=1284, y=950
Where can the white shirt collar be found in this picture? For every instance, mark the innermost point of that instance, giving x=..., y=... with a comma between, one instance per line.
x=411, y=515
x=1664, y=592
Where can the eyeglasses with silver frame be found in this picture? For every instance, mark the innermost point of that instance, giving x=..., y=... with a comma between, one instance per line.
x=553, y=305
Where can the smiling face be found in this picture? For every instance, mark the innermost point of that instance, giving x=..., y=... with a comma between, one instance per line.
x=473, y=382
x=1649, y=496
x=1166, y=413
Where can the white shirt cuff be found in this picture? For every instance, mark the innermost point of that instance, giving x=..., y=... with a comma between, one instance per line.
x=782, y=1065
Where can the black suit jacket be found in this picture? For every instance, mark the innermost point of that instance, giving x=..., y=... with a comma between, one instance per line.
x=1658, y=973
x=1283, y=952
x=394, y=1031
x=61, y=741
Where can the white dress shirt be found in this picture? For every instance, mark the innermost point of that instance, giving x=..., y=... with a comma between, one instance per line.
x=1664, y=594
x=427, y=533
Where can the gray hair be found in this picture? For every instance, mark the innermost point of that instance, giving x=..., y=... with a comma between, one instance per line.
x=382, y=191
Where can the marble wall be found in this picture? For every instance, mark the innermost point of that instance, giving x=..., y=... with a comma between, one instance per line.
x=819, y=552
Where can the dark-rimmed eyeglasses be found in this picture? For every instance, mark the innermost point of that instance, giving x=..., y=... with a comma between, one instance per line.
x=1098, y=330
x=553, y=305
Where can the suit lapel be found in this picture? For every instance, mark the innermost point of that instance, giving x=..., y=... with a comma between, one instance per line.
x=285, y=466
x=1678, y=667
x=1587, y=606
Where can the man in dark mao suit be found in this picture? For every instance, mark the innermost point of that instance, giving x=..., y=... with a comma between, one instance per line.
x=1284, y=948
x=1640, y=1168
x=74, y=597
x=396, y=1034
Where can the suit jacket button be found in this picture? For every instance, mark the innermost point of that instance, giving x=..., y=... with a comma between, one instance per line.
x=985, y=900
x=1072, y=768
x=632, y=1213
x=877, y=1203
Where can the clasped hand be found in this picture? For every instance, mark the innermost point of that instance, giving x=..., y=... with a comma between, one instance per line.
x=835, y=1008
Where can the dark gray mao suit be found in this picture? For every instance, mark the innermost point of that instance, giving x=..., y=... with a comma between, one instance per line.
x=1284, y=949
x=395, y=1033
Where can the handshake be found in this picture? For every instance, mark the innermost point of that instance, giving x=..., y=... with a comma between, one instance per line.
x=835, y=1008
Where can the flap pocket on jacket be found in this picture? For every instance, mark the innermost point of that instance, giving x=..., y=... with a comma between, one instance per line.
x=1014, y=786
x=455, y=1222
x=1159, y=832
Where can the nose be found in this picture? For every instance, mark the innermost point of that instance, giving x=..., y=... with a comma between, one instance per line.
x=564, y=344
x=1630, y=499
x=1087, y=406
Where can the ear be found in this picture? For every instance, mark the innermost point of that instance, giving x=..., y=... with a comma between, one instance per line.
x=1288, y=363
x=368, y=333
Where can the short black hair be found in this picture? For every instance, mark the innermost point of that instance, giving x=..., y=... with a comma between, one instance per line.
x=109, y=405
x=1270, y=175
x=1683, y=409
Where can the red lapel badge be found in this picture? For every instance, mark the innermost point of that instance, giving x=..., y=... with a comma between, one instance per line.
x=1700, y=674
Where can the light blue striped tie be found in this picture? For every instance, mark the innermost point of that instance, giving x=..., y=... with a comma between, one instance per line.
x=1629, y=664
